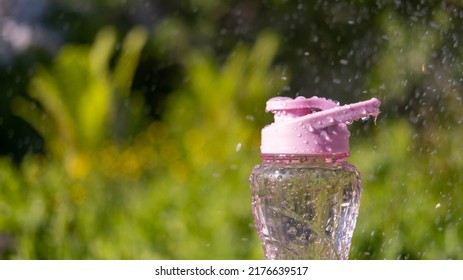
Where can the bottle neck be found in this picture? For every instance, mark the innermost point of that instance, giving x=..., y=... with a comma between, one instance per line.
x=296, y=158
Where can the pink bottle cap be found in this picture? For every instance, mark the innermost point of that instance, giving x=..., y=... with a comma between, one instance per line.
x=312, y=126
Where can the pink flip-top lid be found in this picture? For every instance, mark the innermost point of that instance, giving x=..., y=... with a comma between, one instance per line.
x=312, y=126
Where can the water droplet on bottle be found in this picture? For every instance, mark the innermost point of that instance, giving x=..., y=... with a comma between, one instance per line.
x=291, y=231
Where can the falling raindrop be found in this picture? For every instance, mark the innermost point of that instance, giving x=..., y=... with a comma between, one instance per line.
x=250, y=118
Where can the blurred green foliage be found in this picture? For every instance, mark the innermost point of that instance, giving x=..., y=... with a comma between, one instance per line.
x=174, y=191
x=119, y=178
x=410, y=205
x=80, y=98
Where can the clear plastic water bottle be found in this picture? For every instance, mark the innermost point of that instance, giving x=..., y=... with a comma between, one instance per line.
x=305, y=195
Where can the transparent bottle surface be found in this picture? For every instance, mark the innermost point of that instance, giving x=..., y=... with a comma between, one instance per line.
x=305, y=207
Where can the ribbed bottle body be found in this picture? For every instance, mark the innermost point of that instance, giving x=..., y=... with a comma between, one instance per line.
x=305, y=207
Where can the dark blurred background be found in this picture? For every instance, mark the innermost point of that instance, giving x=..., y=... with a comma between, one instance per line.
x=128, y=128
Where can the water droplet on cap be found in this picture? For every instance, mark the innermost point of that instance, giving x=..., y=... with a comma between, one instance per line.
x=325, y=136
